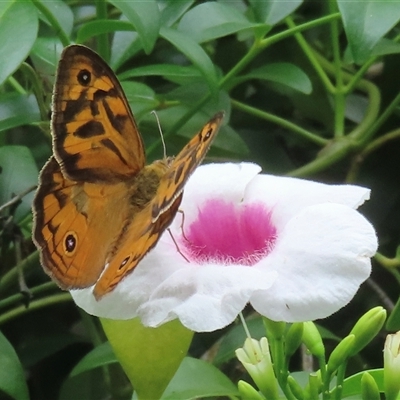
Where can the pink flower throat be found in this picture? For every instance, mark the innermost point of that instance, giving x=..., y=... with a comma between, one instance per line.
x=229, y=233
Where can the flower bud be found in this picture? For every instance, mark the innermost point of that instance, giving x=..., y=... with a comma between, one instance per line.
x=295, y=388
x=314, y=386
x=340, y=353
x=312, y=339
x=247, y=392
x=367, y=327
x=294, y=337
x=391, y=366
x=369, y=388
x=256, y=358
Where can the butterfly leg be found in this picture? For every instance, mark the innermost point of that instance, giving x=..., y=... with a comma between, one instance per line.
x=176, y=245
x=182, y=224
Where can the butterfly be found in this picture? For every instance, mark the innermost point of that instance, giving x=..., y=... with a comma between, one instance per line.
x=99, y=209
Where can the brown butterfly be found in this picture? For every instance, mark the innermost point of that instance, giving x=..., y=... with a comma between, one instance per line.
x=99, y=208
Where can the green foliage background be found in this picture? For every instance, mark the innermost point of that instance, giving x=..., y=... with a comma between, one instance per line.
x=310, y=89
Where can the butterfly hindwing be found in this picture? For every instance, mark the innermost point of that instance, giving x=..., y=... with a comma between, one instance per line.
x=99, y=209
x=70, y=229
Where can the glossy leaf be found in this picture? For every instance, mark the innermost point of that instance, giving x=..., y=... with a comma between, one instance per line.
x=12, y=376
x=61, y=12
x=393, y=322
x=283, y=73
x=271, y=12
x=174, y=10
x=125, y=45
x=198, y=379
x=352, y=384
x=98, y=357
x=386, y=46
x=16, y=38
x=366, y=22
x=175, y=73
x=145, y=17
x=98, y=27
x=194, y=53
x=212, y=20
x=18, y=173
x=17, y=110
x=45, y=55
x=141, y=98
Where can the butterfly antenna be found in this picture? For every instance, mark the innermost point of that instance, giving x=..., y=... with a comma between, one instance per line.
x=161, y=133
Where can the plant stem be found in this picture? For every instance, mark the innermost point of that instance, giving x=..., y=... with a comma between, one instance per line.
x=339, y=94
x=103, y=45
x=34, y=305
x=370, y=148
x=311, y=57
x=282, y=122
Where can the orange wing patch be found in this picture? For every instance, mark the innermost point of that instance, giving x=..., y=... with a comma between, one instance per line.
x=99, y=210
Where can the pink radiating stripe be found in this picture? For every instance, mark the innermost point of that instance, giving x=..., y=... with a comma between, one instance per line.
x=225, y=232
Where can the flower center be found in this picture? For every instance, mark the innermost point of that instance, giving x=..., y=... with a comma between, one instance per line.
x=225, y=232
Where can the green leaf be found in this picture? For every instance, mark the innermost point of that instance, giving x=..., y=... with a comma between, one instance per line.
x=194, y=53
x=174, y=10
x=18, y=173
x=145, y=17
x=141, y=97
x=227, y=143
x=17, y=110
x=61, y=12
x=98, y=357
x=18, y=30
x=175, y=73
x=393, y=322
x=283, y=73
x=352, y=384
x=125, y=45
x=45, y=55
x=212, y=20
x=366, y=22
x=386, y=46
x=12, y=376
x=100, y=26
x=198, y=379
x=272, y=11
x=93, y=385
x=327, y=334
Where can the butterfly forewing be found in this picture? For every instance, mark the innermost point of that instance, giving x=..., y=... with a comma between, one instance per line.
x=95, y=135
x=183, y=165
x=146, y=228
x=99, y=210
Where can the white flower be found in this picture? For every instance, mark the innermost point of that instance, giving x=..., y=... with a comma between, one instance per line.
x=295, y=249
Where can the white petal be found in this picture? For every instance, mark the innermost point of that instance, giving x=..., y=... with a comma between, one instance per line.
x=322, y=256
x=225, y=181
x=204, y=298
x=135, y=288
x=287, y=196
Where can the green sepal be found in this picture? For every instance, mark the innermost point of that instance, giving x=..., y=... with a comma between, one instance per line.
x=149, y=356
